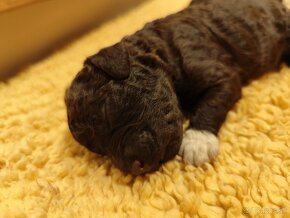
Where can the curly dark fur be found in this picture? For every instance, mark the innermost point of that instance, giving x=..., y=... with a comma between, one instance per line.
x=129, y=100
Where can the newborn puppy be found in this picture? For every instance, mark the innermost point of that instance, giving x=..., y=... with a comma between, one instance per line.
x=130, y=99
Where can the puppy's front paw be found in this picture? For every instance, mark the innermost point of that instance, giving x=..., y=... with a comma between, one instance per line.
x=198, y=147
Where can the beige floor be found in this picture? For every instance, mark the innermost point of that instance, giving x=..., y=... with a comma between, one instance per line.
x=45, y=173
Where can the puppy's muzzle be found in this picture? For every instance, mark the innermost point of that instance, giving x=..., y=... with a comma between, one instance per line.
x=139, y=168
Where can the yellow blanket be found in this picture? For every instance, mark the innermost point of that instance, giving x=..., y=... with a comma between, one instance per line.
x=45, y=173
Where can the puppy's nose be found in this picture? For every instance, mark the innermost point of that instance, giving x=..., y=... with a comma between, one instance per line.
x=137, y=168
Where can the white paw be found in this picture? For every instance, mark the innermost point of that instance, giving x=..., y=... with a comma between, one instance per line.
x=286, y=3
x=198, y=147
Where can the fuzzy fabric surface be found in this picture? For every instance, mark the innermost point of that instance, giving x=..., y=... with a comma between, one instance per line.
x=45, y=173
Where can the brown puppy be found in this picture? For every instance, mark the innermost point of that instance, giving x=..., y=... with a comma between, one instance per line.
x=130, y=99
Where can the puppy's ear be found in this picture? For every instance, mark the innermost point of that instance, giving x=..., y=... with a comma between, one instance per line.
x=114, y=61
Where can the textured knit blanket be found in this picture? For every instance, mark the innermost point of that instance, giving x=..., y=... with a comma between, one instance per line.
x=45, y=173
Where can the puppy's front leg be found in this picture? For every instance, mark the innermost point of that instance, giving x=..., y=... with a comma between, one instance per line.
x=222, y=89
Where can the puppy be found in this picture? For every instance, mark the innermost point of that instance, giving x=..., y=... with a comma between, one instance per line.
x=130, y=99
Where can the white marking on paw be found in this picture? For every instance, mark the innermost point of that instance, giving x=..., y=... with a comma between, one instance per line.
x=286, y=3
x=198, y=147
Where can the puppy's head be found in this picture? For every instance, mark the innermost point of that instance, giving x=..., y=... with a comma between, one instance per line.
x=118, y=107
